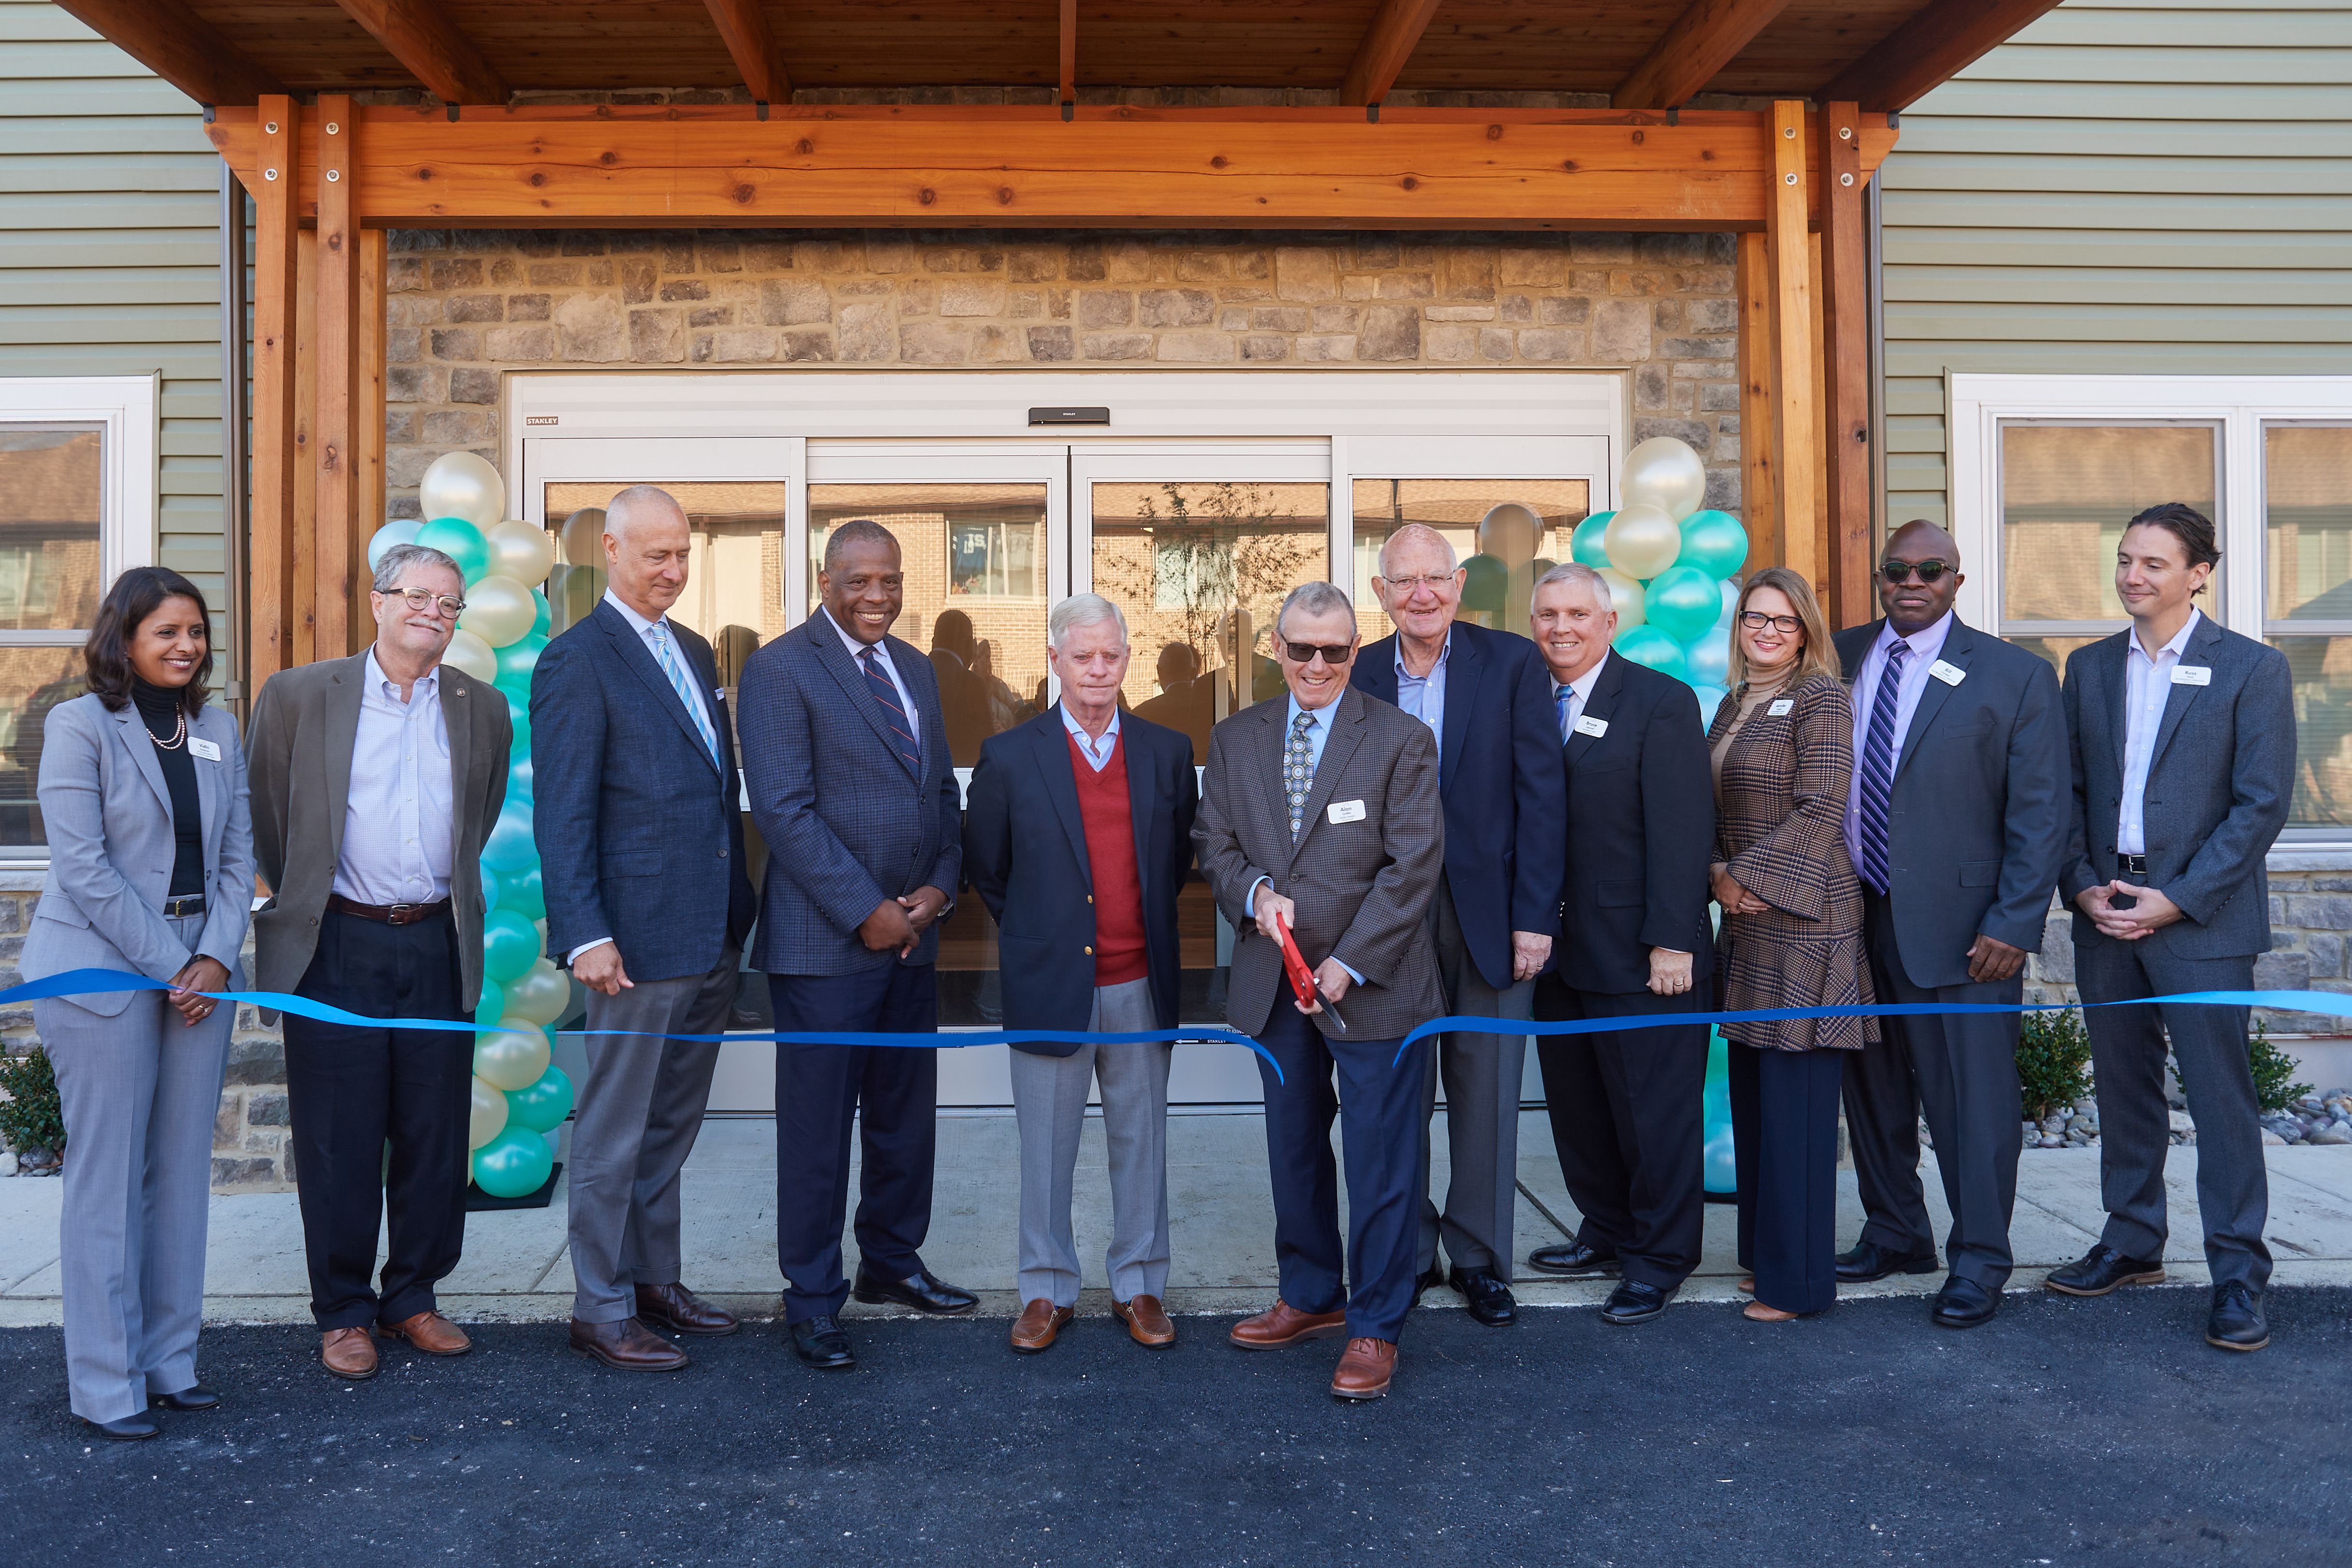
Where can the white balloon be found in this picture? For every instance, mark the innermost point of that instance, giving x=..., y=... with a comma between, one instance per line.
x=1642, y=541
x=399, y=531
x=459, y=484
x=489, y=1117
x=522, y=550
x=583, y=537
x=499, y=611
x=1625, y=597
x=471, y=654
x=510, y=1058
x=1731, y=601
x=1666, y=474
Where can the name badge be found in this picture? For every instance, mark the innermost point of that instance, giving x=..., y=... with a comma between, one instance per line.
x=1780, y=707
x=1345, y=811
x=2193, y=675
x=198, y=747
x=1949, y=674
x=1589, y=725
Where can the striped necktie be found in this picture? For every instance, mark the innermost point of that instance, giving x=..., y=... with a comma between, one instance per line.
x=894, y=717
x=674, y=668
x=1879, y=768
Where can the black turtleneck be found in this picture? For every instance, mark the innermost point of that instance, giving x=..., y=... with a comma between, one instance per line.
x=161, y=707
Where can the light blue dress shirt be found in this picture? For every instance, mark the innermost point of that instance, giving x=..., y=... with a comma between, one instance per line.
x=1423, y=695
x=1927, y=647
x=1097, y=759
x=2148, y=687
x=882, y=656
x=398, y=837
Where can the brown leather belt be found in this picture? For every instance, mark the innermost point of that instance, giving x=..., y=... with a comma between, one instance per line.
x=389, y=914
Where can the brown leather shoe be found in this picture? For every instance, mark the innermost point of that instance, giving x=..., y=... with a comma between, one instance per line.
x=1365, y=1371
x=1147, y=1322
x=348, y=1353
x=626, y=1346
x=1285, y=1324
x=1039, y=1322
x=681, y=1312
x=430, y=1333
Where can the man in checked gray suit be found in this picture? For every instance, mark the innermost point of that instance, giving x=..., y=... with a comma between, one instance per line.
x=2184, y=765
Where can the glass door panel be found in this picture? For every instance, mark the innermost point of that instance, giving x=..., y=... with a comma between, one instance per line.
x=1508, y=533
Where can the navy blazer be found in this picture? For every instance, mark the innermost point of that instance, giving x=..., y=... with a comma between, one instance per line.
x=2218, y=786
x=1025, y=848
x=1500, y=775
x=1639, y=810
x=845, y=823
x=639, y=836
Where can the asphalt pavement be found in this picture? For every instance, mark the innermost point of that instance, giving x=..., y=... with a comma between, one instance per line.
x=2066, y=1432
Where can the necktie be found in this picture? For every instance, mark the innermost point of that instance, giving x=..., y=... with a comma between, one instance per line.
x=1298, y=772
x=894, y=718
x=1562, y=699
x=673, y=667
x=1879, y=768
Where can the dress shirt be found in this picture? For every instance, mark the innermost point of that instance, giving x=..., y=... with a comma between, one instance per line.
x=1423, y=695
x=1579, y=692
x=644, y=629
x=1096, y=753
x=882, y=656
x=1927, y=647
x=2148, y=686
x=397, y=826
x=1319, y=731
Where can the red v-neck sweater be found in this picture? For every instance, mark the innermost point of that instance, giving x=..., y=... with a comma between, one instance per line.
x=1110, y=849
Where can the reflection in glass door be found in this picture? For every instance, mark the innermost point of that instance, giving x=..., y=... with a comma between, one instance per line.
x=1505, y=533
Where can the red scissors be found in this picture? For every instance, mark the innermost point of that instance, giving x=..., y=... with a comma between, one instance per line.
x=1302, y=979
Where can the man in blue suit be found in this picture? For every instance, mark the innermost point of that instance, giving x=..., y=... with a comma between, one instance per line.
x=1486, y=697
x=846, y=752
x=641, y=849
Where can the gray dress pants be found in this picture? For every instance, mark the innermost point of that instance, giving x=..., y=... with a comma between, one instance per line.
x=1482, y=1074
x=640, y=1110
x=1049, y=1101
x=141, y=1091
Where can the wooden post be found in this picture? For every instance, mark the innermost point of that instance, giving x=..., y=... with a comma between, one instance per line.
x=276, y=235
x=1845, y=319
x=367, y=432
x=1759, y=476
x=302, y=558
x=1792, y=344
x=332, y=431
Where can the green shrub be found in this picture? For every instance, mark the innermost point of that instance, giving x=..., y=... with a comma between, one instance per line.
x=2053, y=1061
x=30, y=1117
x=2273, y=1070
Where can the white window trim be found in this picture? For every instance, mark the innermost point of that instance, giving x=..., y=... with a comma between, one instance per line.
x=126, y=409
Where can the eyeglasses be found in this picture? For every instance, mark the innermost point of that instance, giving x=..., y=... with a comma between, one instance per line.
x=1408, y=586
x=1334, y=653
x=1757, y=620
x=1898, y=572
x=426, y=599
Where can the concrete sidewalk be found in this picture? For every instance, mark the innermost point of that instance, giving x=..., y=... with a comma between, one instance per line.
x=517, y=1268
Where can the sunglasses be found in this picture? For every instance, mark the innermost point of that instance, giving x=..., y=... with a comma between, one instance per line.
x=1334, y=653
x=1896, y=573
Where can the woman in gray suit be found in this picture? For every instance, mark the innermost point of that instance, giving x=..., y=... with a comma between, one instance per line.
x=151, y=870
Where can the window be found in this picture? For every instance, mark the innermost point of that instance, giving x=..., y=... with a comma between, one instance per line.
x=2307, y=603
x=1506, y=533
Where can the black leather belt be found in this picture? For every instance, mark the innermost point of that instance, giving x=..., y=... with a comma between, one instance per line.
x=387, y=914
x=181, y=908
x=2132, y=864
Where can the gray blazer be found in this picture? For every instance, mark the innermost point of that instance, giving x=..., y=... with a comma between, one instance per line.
x=2218, y=785
x=1362, y=887
x=1977, y=825
x=112, y=846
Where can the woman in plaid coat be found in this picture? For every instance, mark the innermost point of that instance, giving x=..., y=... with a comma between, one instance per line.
x=1782, y=745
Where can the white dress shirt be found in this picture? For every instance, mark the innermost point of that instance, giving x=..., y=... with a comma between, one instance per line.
x=1096, y=753
x=1579, y=692
x=2148, y=686
x=882, y=656
x=1927, y=647
x=1423, y=695
x=644, y=629
x=397, y=827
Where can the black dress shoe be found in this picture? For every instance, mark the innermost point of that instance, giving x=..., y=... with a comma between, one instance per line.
x=1963, y=1304
x=2102, y=1270
x=125, y=1430
x=2236, y=1322
x=1575, y=1259
x=1633, y=1302
x=197, y=1397
x=820, y=1342
x=922, y=1290
x=1428, y=1280
x=1869, y=1261
x=1488, y=1299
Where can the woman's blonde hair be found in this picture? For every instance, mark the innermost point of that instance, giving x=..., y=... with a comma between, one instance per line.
x=1817, y=657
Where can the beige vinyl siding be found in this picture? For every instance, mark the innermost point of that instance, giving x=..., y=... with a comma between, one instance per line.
x=2151, y=186
x=110, y=248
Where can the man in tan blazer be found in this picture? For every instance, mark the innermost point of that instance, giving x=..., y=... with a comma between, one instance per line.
x=1321, y=814
x=375, y=779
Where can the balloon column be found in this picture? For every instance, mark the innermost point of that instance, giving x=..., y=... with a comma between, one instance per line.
x=521, y=1100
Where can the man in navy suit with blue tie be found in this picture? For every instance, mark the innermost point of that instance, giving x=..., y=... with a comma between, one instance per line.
x=845, y=753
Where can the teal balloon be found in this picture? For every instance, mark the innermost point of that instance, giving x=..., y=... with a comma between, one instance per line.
x=491, y=1008
x=1489, y=583
x=489, y=886
x=1706, y=658
x=519, y=715
x=543, y=619
x=514, y=1165
x=1714, y=542
x=542, y=1107
x=523, y=892
x=461, y=541
x=1722, y=1177
x=1587, y=545
x=1710, y=698
x=511, y=847
x=1730, y=604
x=510, y=946
x=518, y=777
x=1682, y=602
x=1646, y=644
x=518, y=657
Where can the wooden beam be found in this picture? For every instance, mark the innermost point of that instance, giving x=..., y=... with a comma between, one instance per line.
x=1687, y=55
x=1940, y=39
x=277, y=233
x=177, y=45
x=367, y=432
x=893, y=166
x=743, y=29
x=429, y=47
x=302, y=556
x=331, y=429
x=1845, y=322
x=1793, y=340
x=1388, y=43
x=1759, y=471
x=1069, y=52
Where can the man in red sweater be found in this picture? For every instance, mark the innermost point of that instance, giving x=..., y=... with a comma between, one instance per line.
x=1078, y=834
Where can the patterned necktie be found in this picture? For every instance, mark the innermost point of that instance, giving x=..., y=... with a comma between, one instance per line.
x=1879, y=768
x=1562, y=699
x=894, y=718
x=673, y=667
x=1298, y=772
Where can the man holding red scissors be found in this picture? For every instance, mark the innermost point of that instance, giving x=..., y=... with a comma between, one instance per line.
x=1320, y=822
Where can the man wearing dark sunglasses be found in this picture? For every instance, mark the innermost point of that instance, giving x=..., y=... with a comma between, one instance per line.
x=1956, y=822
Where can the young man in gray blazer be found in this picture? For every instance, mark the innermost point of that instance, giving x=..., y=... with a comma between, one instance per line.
x=2184, y=766
x=1956, y=824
